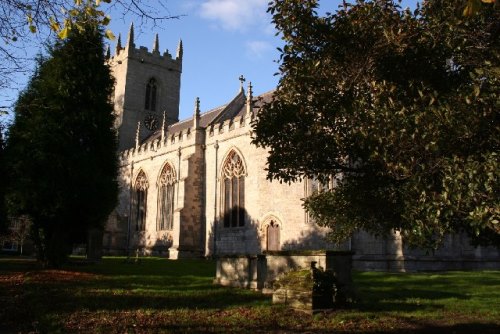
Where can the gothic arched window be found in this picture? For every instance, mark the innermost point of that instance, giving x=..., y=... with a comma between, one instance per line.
x=233, y=191
x=151, y=91
x=166, y=190
x=140, y=201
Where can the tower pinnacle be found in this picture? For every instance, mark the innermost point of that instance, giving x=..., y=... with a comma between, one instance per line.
x=180, y=50
x=249, y=98
x=118, y=44
x=130, y=39
x=196, y=118
x=137, y=134
x=163, y=124
x=156, y=45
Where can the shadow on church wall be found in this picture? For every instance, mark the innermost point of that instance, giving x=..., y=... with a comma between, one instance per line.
x=314, y=239
x=162, y=244
x=226, y=240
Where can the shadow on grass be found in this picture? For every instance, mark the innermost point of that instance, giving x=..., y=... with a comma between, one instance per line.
x=115, y=285
x=123, y=297
x=432, y=328
x=179, y=297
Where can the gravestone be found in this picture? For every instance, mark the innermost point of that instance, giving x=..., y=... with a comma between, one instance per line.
x=94, y=244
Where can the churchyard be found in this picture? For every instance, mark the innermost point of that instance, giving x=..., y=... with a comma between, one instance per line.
x=156, y=295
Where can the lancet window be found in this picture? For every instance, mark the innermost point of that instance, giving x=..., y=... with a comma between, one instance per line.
x=166, y=191
x=233, y=191
x=140, y=201
x=151, y=95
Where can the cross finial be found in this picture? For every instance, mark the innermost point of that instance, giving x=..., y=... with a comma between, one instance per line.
x=242, y=80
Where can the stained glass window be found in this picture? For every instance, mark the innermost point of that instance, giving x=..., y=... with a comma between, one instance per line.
x=166, y=191
x=233, y=201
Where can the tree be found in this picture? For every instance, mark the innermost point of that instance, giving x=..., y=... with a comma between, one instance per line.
x=399, y=107
x=25, y=22
x=473, y=6
x=3, y=212
x=61, y=150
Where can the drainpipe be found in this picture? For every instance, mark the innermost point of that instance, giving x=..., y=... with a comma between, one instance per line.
x=214, y=228
x=129, y=221
x=178, y=177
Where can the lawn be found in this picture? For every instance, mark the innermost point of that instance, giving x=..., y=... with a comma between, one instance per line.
x=162, y=296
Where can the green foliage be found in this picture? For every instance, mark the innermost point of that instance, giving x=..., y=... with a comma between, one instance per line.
x=400, y=107
x=62, y=145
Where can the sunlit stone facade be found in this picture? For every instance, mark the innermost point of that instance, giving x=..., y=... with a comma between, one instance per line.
x=198, y=187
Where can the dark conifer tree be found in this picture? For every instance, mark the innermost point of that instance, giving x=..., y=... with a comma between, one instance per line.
x=62, y=147
x=3, y=214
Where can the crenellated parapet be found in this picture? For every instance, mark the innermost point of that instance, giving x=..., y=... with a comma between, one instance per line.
x=170, y=142
x=144, y=55
x=174, y=141
x=166, y=142
x=229, y=125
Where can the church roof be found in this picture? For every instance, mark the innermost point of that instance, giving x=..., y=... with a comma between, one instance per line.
x=237, y=107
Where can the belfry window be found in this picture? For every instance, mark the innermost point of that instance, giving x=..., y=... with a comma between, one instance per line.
x=233, y=191
x=166, y=190
x=140, y=201
x=151, y=92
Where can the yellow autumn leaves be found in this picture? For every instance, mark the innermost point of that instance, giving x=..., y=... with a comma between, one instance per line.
x=473, y=6
x=83, y=12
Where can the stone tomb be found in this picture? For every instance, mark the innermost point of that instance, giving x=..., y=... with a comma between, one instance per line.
x=261, y=271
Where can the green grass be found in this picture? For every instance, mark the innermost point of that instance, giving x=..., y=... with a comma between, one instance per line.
x=162, y=296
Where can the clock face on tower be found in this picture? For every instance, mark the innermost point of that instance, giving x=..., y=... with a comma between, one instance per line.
x=151, y=122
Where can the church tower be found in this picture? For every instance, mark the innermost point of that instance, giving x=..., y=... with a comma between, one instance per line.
x=147, y=87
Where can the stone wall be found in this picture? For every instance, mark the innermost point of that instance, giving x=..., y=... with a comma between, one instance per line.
x=390, y=254
x=260, y=271
x=265, y=201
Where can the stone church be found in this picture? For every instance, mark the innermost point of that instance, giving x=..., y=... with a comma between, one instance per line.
x=198, y=187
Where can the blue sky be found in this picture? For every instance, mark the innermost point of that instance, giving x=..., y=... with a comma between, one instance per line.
x=222, y=40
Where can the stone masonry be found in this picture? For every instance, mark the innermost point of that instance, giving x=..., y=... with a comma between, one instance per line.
x=197, y=149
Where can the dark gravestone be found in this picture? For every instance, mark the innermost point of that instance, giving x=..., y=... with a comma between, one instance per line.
x=94, y=245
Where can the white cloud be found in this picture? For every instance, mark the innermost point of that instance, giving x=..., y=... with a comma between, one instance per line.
x=235, y=14
x=258, y=49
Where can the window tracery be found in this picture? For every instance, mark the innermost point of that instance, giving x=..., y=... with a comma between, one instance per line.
x=141, y=191
x=233, y=191
x=166, y=189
